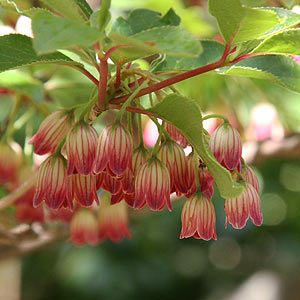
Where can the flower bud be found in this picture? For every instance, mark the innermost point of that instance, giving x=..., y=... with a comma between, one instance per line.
x=84, y=228
x=226, y=145
x=152, y=186
x=81, y=144
x=53, y=183
x=239, y=209
x=51, y=132
x=198, y=218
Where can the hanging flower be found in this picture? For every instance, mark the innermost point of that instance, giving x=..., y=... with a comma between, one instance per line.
x=251, y=178
x=53, y=183
x=84, y=228
x=81, y=144
x=226, y=145
x=114, y=150
x=173, y=157
x=176, y=135
x=198, y=218
x=139, y=157
x=152, y=186
x=51, y=132
x=84, y=188
x=205, y=178
x=113, y=221
x=111, y=184
x=239, y=209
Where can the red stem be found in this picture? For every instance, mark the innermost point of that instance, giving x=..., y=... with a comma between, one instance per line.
x=118, y=76
x=246, y=56
x=136, y=110
x=85, y=72
x=176, y=79
x=102, y=84
x=113, y=49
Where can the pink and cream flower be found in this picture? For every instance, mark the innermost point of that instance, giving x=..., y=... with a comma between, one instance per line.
x=113, y=221
x=84, y=228
x=198, y=218
x=81, y=144
x=226, y=145
x=114, y=150
x=85, y=191
x=51, y=132
x=239, y=209
x=53, y=184
x=152, y=186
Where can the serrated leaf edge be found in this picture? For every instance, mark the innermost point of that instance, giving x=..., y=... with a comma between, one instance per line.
x=274, y=35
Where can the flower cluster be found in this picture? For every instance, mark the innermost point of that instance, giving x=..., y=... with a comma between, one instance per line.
x=83, y=162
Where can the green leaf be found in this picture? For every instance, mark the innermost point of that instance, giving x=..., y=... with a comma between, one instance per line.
x=171, y=40
x=287, y=19
x=66, y=8
x=255, y=23
x=286, y=42
x=17, y=51
x=185, y=114
x=143, y=19
x=85, y=8
x=52, y=32
x=22, y=83
x=243, y=22
x=94, y=19
x=212, y=52
x=229, y=15
x=11, y=5
x=278, y=68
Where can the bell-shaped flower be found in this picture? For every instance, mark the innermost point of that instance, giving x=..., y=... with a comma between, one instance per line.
x=51, y=132
x=239, y=209
x=84, y=228
x=250, y=177
x=205, y=178
x=111, y=184
x=140, y=156
x=81, y=144
x=114, y=150
x=226, y=145
x=198, y=218
x=113, y=221
x=176, y=135
x=53, y=183
x=173, y=157
x=152, y=186
x=84, y=187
